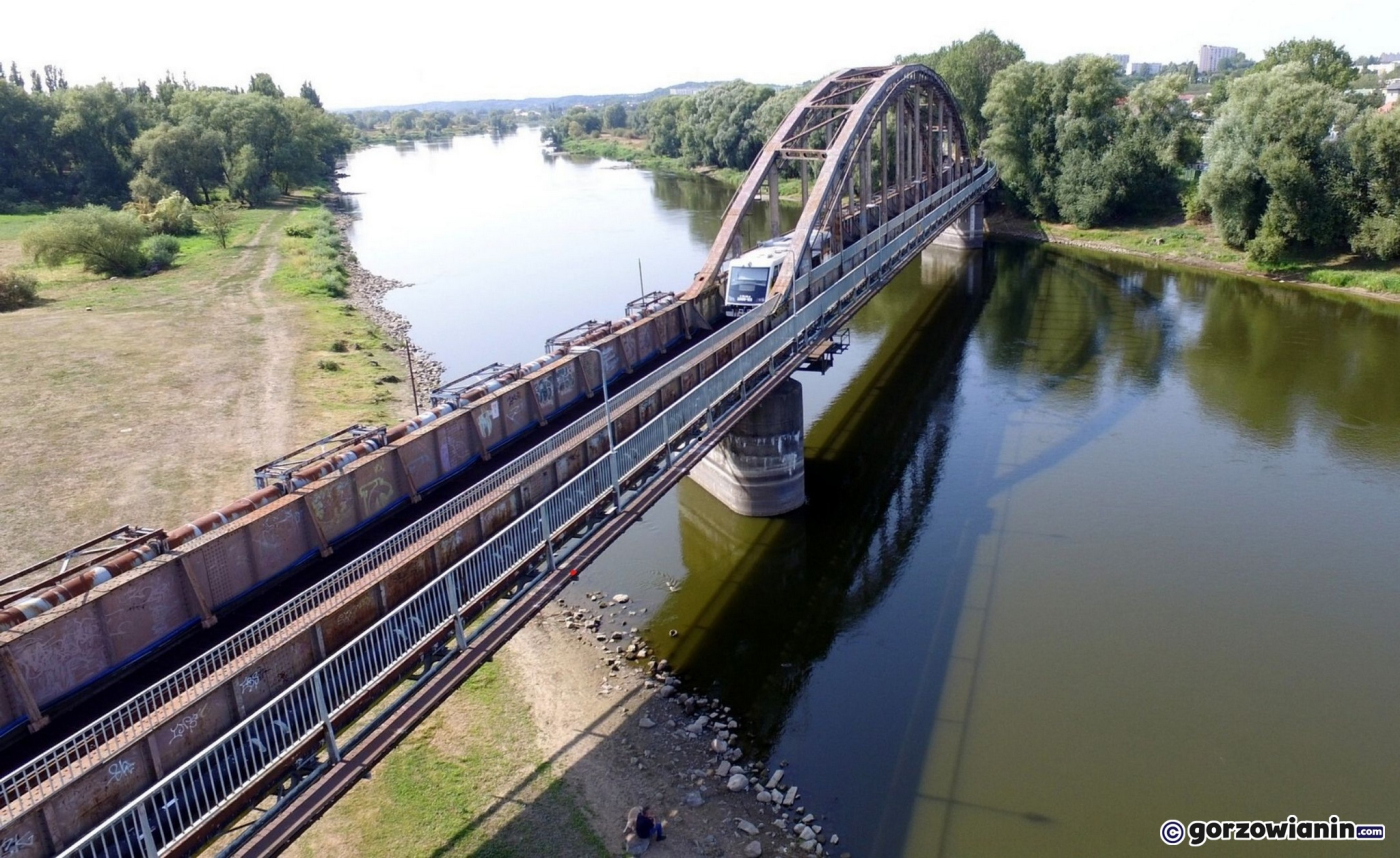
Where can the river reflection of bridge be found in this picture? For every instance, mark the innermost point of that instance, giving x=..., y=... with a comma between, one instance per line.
x=765, y=598
x=765, y=603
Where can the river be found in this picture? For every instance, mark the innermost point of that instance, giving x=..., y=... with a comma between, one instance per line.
x=1091, y=543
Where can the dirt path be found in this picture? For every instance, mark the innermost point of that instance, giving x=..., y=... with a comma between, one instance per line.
x=269, y=424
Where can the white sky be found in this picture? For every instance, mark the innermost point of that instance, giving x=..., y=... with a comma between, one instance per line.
x=359, y=54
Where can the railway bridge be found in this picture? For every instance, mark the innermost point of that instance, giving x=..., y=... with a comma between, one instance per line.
x=436, y=539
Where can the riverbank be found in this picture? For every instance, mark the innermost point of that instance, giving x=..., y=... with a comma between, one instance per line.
x=545, y=749
x=148, y=401
x=633, y=151
x=366, y=290
x=1197, y=245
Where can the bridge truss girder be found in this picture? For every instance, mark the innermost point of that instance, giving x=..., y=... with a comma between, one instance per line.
x=884, y=137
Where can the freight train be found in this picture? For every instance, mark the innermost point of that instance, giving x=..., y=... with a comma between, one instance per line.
x=63, y=637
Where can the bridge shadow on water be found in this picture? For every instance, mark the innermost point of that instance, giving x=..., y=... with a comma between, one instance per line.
x=846, y=635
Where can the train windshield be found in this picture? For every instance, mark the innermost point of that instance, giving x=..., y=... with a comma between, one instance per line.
x=748, y=285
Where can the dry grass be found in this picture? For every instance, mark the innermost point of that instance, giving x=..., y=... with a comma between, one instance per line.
x=471, y=780
x=148, y=401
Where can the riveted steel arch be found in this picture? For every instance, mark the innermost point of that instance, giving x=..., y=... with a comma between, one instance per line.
x=835, y=125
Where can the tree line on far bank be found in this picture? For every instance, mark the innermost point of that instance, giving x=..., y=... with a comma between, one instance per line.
x=391, y=126
x=102, y=144
x=1281, y=154
x=1281, y=157
x=153, y=153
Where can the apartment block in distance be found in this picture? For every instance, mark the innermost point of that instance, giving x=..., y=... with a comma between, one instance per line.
x=1210, y=58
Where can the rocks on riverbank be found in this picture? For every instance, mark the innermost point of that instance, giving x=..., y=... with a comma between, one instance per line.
x=366, y=293
x=716, y=801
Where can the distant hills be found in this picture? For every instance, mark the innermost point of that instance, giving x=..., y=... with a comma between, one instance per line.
x=562, y=101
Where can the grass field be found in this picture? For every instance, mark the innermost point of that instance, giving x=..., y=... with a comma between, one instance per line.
x=149, y=400
x=471, y=781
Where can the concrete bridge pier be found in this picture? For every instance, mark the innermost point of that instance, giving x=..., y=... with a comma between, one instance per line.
x=967, y=232
x=757, y=469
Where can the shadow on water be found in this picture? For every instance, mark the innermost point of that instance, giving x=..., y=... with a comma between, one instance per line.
x=765, y=598
x=840, y=633
x=766, y=602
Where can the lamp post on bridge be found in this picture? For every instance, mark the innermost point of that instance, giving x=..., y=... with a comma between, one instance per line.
x=607, y=415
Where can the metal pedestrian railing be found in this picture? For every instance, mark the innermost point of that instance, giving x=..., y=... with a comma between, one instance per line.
x=279, y=732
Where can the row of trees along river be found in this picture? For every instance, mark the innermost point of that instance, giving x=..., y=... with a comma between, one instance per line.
x=1285, y=155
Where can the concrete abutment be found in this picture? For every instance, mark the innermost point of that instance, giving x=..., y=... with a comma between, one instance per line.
x=758, y=469
x=967, y=232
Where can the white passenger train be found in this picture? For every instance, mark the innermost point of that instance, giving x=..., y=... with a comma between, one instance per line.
x=754, y=273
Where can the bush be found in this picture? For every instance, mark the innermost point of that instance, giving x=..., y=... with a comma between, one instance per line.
x=218, y=220
x=1378, y=238
x=1266, y=248
x=161, y=251
x=1194, y=205
x=104, y=241
x=300, y=230
x=16, y=290
x=173, y=215
x=328, y=365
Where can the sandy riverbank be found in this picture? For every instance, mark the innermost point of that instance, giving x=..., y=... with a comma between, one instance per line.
x=545, y=754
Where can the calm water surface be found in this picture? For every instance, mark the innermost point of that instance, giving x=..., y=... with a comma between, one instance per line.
x=1090, y=544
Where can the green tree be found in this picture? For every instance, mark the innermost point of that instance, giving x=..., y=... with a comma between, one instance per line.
x=28, y=169
x=722, y=131
x=1273, y=163
x=263, y=84
x=104, y=241
x=93, y=132
x=1326, y=62
x=615, y=116
x=166, y=89
x=185, y=157
x=53, y=79
x=36, y=86
x=1069, y=144
x=16, y=78
x=968, y=68
x=1020, y=111
x=773, y=111
x=662, y=120
x=1373, y=153
x=308, y=92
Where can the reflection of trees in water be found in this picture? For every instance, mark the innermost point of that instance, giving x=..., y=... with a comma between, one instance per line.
x=704, y=201
x=1070, y=323
x=1273, y=361
x=1276, y=362
x=766, y=598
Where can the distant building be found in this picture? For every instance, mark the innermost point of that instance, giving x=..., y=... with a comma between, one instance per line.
x=1211, y=56
x=1392, y=96
x=1388, y=58
x=1146, y=69
x=688, y=90
x=1121, y=60
x=1383, y=68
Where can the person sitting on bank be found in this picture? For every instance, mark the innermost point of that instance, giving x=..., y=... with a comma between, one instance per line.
x=642, y=828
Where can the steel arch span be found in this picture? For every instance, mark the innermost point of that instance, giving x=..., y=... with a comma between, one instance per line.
x=885, y=138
